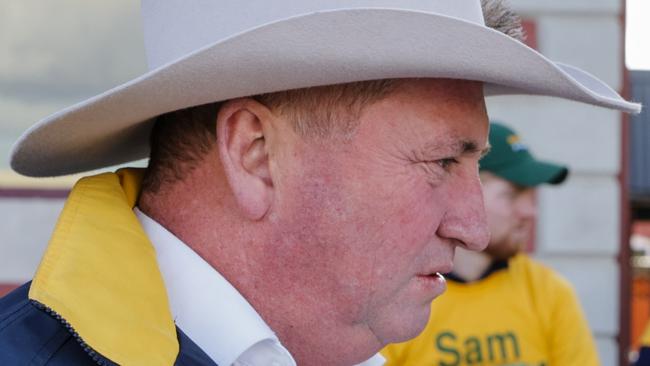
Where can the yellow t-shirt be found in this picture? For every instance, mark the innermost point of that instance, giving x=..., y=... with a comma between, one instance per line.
x=522, y=315
x=645, y=338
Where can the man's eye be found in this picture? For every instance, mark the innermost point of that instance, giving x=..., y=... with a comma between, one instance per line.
x=447, y=163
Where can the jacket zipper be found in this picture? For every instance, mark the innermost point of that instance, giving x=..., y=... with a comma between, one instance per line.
x=98, y=358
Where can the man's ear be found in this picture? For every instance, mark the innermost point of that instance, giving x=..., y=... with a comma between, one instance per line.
x=242, y=131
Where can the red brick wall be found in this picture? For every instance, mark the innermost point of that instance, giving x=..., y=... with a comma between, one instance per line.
x=5, y=288
x=530, y=27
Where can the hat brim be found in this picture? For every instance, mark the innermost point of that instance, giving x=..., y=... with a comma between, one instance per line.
x=310, y=50
x=532, y=173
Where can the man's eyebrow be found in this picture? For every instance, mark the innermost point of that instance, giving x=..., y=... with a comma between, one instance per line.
x=455, y=148
x=467, y=147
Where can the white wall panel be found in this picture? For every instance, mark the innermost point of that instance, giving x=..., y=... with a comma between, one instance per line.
x=581, y=216
x=534, y=7
x=578, y=230
x=607, y=351
x=26, y=226
x=591, y=43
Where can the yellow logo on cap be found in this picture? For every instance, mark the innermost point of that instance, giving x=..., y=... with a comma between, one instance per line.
x=516, y=144
x=513, y=139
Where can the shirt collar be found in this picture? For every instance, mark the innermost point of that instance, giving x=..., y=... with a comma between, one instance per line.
x=205, y=305
x=495, y=266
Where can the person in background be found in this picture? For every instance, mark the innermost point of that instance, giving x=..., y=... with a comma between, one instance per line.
x=644, y=352
x=501, y=306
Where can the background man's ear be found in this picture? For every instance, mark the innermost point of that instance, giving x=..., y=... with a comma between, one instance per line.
x=243, y=151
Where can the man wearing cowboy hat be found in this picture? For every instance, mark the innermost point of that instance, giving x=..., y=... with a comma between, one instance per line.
x=313, y=166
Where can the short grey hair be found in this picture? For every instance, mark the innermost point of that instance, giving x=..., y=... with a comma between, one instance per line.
x=499, y=16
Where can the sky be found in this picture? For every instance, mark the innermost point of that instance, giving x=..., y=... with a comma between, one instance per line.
x=57, y=53
x=637, y=48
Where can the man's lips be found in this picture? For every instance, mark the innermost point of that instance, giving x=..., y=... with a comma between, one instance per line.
x=438, y=270
x=433, y=284
x=432, y=278
x=437, y=276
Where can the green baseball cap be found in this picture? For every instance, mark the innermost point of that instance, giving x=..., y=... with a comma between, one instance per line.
x=510, y=159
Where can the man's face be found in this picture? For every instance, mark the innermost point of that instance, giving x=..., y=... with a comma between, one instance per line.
x=367, y=222
x=511, y=212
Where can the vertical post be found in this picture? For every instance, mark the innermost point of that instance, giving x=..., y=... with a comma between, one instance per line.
x=623, y=178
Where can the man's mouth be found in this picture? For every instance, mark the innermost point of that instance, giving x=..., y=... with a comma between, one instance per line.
x=436, y=276
x=433, y=284
x=433, y=277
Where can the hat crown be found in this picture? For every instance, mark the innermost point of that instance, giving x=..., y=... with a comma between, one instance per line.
x=174, y=28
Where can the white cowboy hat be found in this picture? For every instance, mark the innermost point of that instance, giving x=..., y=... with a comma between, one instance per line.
x=205, y=51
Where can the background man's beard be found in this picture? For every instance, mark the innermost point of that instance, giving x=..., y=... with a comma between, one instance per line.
x=503, y=250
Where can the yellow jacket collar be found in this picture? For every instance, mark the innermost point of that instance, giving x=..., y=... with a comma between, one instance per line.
x=100, y=274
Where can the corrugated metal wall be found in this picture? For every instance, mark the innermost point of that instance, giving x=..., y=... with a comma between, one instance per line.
x=640, y=137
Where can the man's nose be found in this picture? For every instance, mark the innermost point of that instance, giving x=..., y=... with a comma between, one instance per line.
x=527, y=204
x=465, y=221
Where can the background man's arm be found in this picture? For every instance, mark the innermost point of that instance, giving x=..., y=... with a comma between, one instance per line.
x=571, y=342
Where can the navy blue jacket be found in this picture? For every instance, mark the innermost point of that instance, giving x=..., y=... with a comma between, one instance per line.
x=30, y=334
x=644, y=357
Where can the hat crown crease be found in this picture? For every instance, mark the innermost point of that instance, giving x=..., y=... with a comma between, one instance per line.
x=174, y=28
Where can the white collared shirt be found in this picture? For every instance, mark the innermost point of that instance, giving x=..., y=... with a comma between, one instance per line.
x=235, y=334
x=212, y=313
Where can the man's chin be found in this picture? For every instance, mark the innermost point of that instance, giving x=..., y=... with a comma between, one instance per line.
x=407, y=329
x=413, y=332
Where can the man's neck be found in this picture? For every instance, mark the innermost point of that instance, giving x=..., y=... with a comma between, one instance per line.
x=469, y=265
x=293, y=320
x=303, y=321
